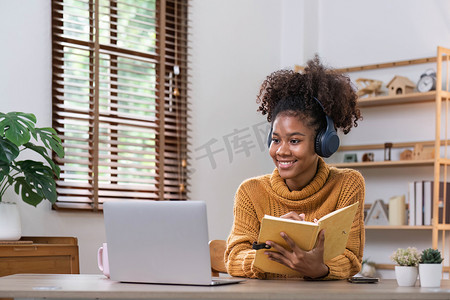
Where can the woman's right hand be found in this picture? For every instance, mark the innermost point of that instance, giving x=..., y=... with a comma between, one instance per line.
x=296, y=217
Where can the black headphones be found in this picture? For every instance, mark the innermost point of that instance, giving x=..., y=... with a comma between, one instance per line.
x=326, y=141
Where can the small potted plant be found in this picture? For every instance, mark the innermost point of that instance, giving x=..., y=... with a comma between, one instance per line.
x=430, y=268
x=33, y=180
x=368, y=268
x=407, y=260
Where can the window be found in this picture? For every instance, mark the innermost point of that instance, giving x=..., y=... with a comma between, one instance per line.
x=120, y=100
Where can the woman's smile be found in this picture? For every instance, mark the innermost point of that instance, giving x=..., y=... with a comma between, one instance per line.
x=286, y=164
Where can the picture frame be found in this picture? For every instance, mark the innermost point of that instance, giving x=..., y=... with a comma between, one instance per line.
x=350, y=157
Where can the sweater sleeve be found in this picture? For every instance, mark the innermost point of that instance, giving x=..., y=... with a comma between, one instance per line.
x=349, y=263
x=239, y=255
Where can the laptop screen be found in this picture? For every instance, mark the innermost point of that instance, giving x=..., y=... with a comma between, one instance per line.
x=158, y=241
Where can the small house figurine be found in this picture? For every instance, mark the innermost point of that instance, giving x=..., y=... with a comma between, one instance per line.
x=400, y=85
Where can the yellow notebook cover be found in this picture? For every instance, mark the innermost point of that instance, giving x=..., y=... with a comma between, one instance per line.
x=337, y=225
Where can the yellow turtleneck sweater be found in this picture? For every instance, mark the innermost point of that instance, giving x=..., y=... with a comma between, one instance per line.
x=330, y=189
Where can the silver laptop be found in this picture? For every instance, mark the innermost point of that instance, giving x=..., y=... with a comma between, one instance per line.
x=159, y=242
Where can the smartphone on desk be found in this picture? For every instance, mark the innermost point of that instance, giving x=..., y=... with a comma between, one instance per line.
x=362, y=279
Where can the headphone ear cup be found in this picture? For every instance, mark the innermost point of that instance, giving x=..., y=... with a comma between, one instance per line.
x=330, y=143
x=318, y=142
x=327, y=140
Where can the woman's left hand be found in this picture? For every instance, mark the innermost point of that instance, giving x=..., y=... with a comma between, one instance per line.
x=308, y=263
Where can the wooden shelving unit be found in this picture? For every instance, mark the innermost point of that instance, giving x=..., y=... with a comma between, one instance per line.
x=438, y=165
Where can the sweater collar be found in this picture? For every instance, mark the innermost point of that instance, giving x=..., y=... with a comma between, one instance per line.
x=280, y=187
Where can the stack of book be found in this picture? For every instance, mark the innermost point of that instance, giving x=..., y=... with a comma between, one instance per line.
x=420, y=197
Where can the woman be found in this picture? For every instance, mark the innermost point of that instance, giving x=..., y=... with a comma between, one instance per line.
x=302, y=186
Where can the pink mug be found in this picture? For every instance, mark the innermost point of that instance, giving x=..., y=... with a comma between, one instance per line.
x=102, y=259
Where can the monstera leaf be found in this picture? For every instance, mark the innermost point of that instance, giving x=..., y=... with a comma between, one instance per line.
x=43, y=151
x=37, y=184
x=17, y=126
x=8, y=151
x=28, y=194
x=50, y=139
x=4, y=170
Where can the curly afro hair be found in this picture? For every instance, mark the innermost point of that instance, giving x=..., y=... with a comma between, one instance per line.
x=291, y=92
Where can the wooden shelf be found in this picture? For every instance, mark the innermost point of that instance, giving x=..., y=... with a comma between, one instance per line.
x=394, y=100
x=393, y=64
x=444, y=161
x=392, y=267
x=381, y=146
x=396, y=163
x=407, y=227
x=383, y=164
x=401, y=99
x=389, y=164
x=443, y=226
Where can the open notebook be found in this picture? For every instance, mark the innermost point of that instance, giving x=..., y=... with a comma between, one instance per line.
x=159, y=242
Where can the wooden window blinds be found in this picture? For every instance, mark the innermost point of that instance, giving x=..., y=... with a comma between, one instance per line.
x=119, y=90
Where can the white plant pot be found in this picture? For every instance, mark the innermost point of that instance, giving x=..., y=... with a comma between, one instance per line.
x=430, y=275
x=406, y=275
x=10, y=227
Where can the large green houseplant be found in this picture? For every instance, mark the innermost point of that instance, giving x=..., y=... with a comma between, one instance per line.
x=33, y=180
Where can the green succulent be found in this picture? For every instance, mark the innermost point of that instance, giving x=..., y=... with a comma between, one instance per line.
x=32, y=180
x=431, y=256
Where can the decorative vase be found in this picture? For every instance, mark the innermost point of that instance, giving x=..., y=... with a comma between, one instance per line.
x=406, y=275
x=10, y=227
x=430, y=275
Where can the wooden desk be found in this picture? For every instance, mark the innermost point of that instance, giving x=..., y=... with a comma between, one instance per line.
x=51, y=255
x=99, y=287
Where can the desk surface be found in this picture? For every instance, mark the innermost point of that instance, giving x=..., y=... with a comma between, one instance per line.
x=97, y=286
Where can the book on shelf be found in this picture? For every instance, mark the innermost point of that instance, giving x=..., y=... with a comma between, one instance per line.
x=427, y=202
x=336, y=224
x=420, y=197
x=411, y=204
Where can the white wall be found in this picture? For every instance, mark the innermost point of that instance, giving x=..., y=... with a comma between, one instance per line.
x=234, y=45
x=353, y=32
